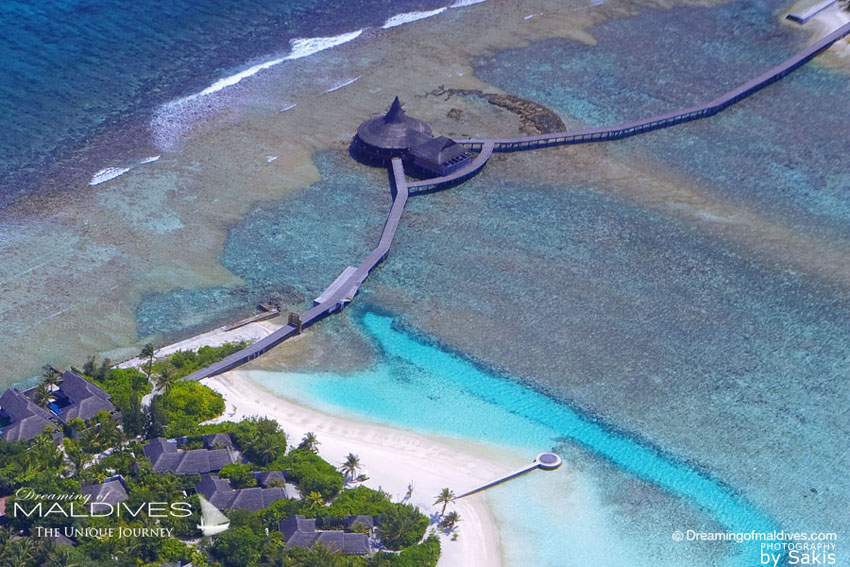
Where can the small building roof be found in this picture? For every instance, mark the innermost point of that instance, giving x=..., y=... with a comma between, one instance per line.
x=266, y=478
x=86, y=398
x=166, y=457
x=111, y=492
x=438, y=150
x=26, y=419
x=62, y=539
x=346, y=542
x=394, y=130
x=220, y=494
x=367, y=522
x=294, y=524
x=299, y=531
x=218, y=440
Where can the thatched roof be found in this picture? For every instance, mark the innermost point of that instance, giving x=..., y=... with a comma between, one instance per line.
x=395, y=130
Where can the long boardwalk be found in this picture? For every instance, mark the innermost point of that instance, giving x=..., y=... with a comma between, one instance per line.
x=336, y=300
x=344, y=288
x=657, y=122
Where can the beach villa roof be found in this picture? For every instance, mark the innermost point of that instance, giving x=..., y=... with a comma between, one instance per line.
x=110, y=492
x=166, y=457
x=367, y=522
x=218, y=441
x=299, y=531
x=83, y=398
x=394, y=130
x=267, y=478
x=220, y=494
x=25, y=419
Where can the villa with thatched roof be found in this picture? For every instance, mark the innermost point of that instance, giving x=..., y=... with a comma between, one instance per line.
x=397, y=135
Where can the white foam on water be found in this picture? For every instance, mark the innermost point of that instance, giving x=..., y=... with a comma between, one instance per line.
x=407, y=17
x=173, y=120
x=285, y=108
x=306, y=47
x=270, y=159
x=301, y=47
x=108, y=174
x=149, y=160
x=342, y=84
x=236, y=78
x=462, y=3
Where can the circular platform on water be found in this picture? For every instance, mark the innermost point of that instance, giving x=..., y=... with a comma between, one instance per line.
x=548, y=461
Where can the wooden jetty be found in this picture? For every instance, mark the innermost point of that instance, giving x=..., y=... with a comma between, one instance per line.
x=343, y=289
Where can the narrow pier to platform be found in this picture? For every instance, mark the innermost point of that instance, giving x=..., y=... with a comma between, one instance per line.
x=545, y=461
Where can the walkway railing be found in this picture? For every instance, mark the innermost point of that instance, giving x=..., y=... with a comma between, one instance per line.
x=348, y=286
x=428, y=185
x=666, y=120
x=333, y=303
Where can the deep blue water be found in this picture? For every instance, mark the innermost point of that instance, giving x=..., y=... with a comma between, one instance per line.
x=71, y=68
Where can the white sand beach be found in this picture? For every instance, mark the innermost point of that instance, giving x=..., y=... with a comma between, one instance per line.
x=393, y=458
x=217, y=337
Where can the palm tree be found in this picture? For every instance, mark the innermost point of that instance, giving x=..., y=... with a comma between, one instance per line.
x=315, y=501
x=445, y=496
x=165, y=380
x=50, y=377
x=351, y=465
x=148, y=352
x=78, y=458
x=42, y=396
x=449, y=521
x=310, y=442
x=62, y=555
x=321, y=556
x=18, y=553
x=267, y=441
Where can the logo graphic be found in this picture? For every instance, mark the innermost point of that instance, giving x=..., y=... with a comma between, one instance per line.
x=212, y=520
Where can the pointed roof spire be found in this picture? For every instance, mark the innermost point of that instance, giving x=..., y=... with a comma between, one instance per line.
x=396, y=113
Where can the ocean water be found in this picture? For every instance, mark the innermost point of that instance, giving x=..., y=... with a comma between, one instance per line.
x=781, y=153
x=418, y=386
x=74, y=69
x=716, y=358
x=285, y=250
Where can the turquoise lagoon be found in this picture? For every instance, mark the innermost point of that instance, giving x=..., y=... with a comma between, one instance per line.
x=417, y=385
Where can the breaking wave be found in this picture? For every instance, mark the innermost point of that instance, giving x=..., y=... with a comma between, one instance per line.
x=407, y=17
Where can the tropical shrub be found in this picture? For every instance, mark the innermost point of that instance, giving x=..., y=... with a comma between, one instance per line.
x=401, y=525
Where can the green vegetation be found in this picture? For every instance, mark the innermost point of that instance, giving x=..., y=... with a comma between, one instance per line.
x=309, y=442
x=186, y=404
x=425, y=554
x=350, y=467
x=261, y=439
x=312, y=473
x=401, y=526
x=240, y=475
x=184, y=362
x=444, y=497
x=360, y=500
x=101, y=448
x=449, y=521
x=126, y=386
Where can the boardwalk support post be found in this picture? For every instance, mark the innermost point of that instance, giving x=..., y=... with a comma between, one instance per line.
x=295, y=321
